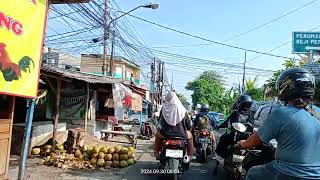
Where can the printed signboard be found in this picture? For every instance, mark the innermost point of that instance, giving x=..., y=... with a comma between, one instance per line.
x=22, y=26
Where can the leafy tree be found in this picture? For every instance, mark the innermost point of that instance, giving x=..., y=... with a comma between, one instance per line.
x=208, y=89
x=183, y=99
x=251, y=89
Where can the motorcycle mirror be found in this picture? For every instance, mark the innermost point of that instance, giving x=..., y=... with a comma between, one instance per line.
x=239, y=127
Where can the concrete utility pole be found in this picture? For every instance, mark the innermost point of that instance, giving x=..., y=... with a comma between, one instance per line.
x=105, y=38
x=172, y=82
x=111, y=70
x=162, y=82
x=152, y=84
x=244, y=71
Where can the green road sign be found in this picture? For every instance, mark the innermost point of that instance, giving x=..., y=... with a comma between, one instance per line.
x=303, y=42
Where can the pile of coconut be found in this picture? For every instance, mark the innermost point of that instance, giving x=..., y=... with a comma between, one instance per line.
x=98, y=156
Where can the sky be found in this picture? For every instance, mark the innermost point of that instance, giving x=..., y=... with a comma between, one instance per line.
x=220, y=21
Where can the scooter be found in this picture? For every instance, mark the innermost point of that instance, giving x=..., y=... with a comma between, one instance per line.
x=173, y=158
x=234, y=157
x=239, y=161
x=204, y=146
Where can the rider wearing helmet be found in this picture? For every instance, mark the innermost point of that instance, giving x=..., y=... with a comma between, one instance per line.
x=242, y=112
x=204, y=121
x=296, y=127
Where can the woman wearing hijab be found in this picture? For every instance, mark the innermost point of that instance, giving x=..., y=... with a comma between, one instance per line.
x=173, y=122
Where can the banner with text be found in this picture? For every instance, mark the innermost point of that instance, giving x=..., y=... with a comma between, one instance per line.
x=22, y=26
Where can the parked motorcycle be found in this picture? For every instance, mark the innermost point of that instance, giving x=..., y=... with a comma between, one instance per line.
x=204, y=146
x=146, y=130
x=173, y=157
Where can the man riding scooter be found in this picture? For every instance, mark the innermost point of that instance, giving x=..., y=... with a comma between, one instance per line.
x=295, y=126
x=241, y=113
x=204, y=121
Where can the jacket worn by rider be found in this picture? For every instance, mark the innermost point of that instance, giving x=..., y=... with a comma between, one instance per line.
x=179, y=130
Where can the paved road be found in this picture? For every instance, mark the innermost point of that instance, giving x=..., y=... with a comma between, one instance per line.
x=148, y=161
x=196, y=171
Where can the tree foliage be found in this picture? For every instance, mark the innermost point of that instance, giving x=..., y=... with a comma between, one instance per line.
x=183, y=99
x=208, y=89
x=252, y=90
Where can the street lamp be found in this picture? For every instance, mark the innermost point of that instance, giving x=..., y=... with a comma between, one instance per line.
x=106, y=33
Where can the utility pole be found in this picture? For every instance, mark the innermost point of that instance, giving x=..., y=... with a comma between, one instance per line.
x=158, y=82
x=112, y=55
x=152, y=84
x=162, y=81
x=105, y=38
x=172, y=82
x=244, y=71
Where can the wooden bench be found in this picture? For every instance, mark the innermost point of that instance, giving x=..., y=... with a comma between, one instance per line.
x=131, y=136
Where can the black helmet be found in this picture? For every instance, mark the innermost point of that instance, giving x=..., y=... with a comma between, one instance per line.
x=204, y=108
x=294, y=84
x=244, y=102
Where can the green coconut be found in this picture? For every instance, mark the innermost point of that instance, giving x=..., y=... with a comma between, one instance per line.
x=115, y=164
x=104, y=149
x=123, y=157
x=130, y=161
x=101, y=163
x=108, y=157
x=124, y=151
x=101, y=155
x=36, y=151
x=115, y=157
x=123, y=164
x=111, y=150
x=93, y=161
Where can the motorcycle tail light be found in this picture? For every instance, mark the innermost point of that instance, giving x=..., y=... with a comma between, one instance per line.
x=173, y=142
x=205, y=133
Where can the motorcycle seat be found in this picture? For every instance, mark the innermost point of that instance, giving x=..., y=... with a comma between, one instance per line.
x=175, y=138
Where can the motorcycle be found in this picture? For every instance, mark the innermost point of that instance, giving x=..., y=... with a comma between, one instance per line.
x=146, y=130
x=234, y=157
x=204, y=146
x=239, y=161
x=173, y=157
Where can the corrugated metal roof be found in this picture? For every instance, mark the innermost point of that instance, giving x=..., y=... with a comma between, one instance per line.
x=86, y=77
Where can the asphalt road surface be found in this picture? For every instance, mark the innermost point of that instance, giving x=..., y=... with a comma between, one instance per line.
x=197, y=171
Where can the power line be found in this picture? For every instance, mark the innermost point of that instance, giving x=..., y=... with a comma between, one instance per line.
x=208, y=40
x=280, y=46
x=271, y=21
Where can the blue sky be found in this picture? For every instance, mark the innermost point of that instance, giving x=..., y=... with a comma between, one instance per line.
x=220, y=20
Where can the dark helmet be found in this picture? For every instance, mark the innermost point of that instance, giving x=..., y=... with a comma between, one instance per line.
x=294, y=84
x=244, y=102
x=204, y=108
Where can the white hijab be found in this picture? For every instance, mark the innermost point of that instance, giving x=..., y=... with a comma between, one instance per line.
x=173, y=111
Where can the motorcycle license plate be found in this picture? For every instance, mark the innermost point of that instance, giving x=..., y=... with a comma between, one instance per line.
x=237, y=158
x=205, y=140
x=174, y=153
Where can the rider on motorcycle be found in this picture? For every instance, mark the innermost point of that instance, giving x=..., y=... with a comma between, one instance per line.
x=204, y=121
x=174, y=121
x=242, y=112
x=295, y=126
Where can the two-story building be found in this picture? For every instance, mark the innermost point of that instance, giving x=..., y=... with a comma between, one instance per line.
x=123, y=68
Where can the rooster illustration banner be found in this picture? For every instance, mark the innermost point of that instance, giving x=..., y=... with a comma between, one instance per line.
x=22, y=27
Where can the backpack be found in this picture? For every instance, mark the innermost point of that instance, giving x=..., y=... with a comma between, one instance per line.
x=204, y=122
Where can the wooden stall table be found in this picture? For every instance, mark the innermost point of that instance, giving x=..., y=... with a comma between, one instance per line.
x=131, y=136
